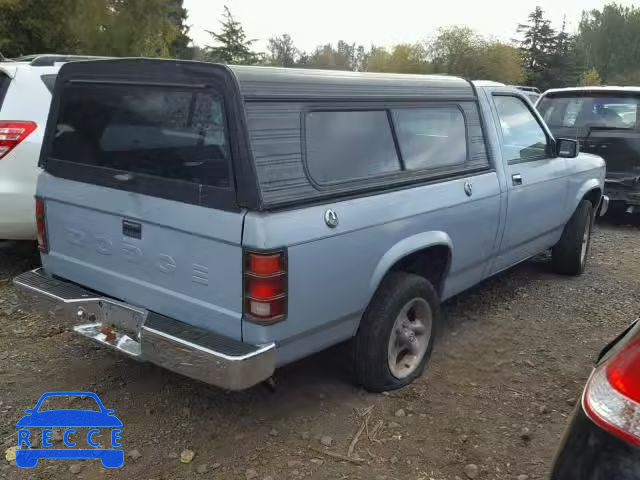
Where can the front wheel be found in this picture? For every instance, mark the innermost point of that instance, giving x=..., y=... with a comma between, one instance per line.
x=396, y=334
x=569, y=255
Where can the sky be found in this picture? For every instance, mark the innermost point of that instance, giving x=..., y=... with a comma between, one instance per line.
x=383, y=23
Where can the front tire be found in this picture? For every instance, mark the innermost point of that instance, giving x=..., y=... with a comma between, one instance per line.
x=569, y=255
x=396, y=334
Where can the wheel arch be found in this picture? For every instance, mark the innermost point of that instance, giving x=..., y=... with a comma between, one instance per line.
x=590, y=190
x=427, y=254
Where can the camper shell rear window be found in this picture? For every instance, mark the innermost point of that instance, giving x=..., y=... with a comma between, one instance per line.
x=175, y=133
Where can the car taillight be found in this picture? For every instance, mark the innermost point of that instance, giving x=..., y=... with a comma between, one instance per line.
x=40, y=225
x=12, y=133
x=612, y=396
x=265, y=286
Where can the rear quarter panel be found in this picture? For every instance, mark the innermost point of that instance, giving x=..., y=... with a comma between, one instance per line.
x=333, y=273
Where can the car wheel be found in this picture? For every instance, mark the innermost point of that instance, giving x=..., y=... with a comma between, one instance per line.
x=396, y=334
x=26, y=459
x=569, y=255
x=112, y=459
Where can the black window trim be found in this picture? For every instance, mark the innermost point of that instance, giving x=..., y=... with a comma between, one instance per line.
x=205, y=195
x=5, y=81
x=400, y=177
x=46, y=76
x=550, y=139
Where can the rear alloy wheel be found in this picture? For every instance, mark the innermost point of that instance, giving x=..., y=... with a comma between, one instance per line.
x=396, y=334
x=569, y=255
x=410, y=337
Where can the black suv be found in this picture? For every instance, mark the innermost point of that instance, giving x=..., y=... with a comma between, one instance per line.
x=606, y=122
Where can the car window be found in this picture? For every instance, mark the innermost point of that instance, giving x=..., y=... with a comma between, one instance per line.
x=170, y=132
x=4, y=86
x=431, y=137
x=49, y=81
x=60, y=402
x=348, y=145
x=523, y=139
x=584, y=110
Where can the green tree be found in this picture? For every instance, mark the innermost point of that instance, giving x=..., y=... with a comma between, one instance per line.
x=232, y=45
x=378, y=59
x=403, y=58
x=180, y=47
x=35, y=26
x=563, y=67
x=500, y=62
x=137, y=28
x=282, y=52
x=461, y=51
x=344, y=56
x=590, y=78
x=97, y=27
x=455, y=51
x=609, y=40
x=537, y=46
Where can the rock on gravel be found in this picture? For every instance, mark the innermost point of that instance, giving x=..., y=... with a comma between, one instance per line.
x=76, y=468
x=471, y=471
x=400, y=413
x=326, y=440
x=187, y=455
x=305, y=435
x=250, y=474
x=134, y=455
x=523, y=477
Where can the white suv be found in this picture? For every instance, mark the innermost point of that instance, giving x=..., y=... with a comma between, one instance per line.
x=26, y=84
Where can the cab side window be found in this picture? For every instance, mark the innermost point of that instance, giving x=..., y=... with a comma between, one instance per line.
x=523, y=139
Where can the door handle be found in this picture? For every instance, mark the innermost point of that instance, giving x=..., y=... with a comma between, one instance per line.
x=516, y=178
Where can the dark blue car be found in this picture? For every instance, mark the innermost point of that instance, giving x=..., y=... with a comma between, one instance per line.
x=68, y=419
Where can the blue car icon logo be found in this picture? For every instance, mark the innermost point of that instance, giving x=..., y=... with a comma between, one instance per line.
x=70, y=420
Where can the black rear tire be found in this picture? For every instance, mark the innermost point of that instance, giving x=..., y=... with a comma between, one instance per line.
x=569, y=255
x=371, y=344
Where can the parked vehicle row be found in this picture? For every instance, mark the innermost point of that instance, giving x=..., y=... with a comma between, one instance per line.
x=26, y=84
x=225, y=221
x=605, y=122
x=25, y=95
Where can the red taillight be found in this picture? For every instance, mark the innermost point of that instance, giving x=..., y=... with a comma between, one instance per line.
x=40, y=225
x=265, y=286
x=13, y=132
x=612, y=396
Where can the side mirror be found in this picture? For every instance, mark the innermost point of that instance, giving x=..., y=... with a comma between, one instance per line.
x=566, y=148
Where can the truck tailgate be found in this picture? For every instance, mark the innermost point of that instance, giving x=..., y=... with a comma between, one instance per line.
x=180, y=260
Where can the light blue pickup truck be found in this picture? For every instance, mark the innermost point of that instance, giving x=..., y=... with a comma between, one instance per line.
x=224, y=221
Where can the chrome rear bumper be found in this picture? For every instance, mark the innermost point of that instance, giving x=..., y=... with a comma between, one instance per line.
x=174, y=345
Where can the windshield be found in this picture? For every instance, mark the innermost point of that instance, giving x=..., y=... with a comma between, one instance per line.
x=590, y=110
x=65, y=402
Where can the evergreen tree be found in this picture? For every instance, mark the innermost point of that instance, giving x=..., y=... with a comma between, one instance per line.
x=180, y=46
x=563, y=68
x=232, y=45
x=537, y=46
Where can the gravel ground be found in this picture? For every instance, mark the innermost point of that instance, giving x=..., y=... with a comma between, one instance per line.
x=505, y=375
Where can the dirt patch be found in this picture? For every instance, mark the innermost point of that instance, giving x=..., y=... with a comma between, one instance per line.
x=508, y=368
